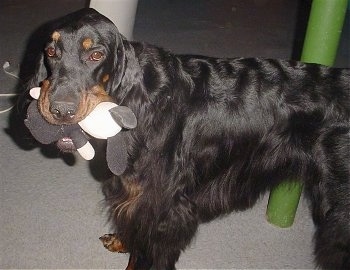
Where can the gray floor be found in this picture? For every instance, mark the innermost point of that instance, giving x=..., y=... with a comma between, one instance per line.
x=51, y=211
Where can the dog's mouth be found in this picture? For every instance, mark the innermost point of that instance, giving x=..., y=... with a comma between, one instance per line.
x=66, y=145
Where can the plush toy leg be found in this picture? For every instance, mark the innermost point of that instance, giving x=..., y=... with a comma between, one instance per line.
x=116, y=154
x=320, y=46
x=81, y=142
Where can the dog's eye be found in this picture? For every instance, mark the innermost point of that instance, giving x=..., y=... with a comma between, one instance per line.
x=51, y=52
x=96, y=56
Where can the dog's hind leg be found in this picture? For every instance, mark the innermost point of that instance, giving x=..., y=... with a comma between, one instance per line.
x=330, y=198
x=174, y=231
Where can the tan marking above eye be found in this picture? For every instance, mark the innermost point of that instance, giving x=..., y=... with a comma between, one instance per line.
x=55, y=36
x=96, y=56
x=87, y=43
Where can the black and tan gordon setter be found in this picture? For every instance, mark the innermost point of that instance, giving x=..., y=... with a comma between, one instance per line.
x=213, y=135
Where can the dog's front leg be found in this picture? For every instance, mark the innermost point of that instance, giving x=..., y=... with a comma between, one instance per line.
x=136, y=260
x=112, y=243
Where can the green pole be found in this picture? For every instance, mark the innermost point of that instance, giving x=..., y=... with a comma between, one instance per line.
x=323, y=31
x=320, y=46
x=283, y=203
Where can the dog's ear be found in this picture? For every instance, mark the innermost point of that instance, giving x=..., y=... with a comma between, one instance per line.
x=127, y=70
x=40, y=73
x=119, y=65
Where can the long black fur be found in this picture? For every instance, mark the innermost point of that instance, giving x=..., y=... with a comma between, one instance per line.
x=215, y=134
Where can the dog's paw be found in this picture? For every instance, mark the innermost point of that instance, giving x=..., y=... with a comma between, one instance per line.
x=112, y=243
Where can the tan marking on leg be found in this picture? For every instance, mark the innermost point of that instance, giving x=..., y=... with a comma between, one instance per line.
x=112, y=243
x=133, y=193
x=87, y=43
x=55, y=36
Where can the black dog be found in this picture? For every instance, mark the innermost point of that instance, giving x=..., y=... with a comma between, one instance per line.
x=212, y=136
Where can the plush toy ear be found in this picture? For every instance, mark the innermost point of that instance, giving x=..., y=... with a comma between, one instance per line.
x=116, y=154
x=124, y=117
x=35, y=92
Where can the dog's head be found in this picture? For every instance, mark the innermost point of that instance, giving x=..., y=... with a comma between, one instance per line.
x=82, y=63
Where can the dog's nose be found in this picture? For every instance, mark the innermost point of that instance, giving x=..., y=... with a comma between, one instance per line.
x=63, y=110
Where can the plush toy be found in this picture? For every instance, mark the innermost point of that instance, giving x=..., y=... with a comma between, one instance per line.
x=104, y=122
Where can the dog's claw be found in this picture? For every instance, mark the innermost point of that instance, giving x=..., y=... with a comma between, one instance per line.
x=112, y=243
